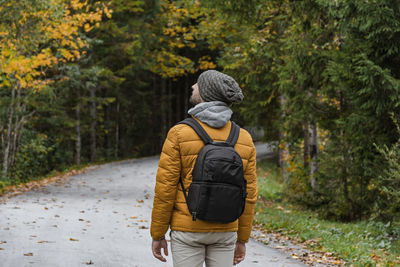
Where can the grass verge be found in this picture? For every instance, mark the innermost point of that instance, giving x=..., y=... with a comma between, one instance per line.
x=364, y=243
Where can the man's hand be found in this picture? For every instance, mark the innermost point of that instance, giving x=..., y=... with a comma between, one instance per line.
x=156, y=248
x=240, y=252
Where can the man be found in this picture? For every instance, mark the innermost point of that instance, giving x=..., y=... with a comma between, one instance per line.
x=196, y=242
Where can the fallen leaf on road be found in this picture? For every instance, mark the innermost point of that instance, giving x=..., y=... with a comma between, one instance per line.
x=140, y=201
x=73, y=239
x=3, y=242
x=147, y=196
x=81, y=220
x=143, y=227
x=133, y=217
x=46, y=208
x=43, y=241
x=142, y=220
x=138, y=205
x=82, y=211
x=89, y=262
x=1, y=248
x=294, y=256
x=28, y=254
x=56, y=215
x=33, y=236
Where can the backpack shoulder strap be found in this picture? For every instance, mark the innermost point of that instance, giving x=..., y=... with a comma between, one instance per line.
x=198, y=129
x=233, y=135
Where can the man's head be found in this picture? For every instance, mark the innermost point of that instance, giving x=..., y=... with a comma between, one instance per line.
x=213, y=85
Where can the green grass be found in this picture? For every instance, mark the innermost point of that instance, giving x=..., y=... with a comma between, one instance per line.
x=364, y=243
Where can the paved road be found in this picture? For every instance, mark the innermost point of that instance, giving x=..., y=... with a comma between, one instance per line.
x=98, y=218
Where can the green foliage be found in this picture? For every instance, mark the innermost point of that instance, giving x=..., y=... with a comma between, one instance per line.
x=387, y=186
x=270, y=185
x=363, y=243
x=34, y=157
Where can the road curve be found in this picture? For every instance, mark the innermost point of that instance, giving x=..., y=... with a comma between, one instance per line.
x=98, y=218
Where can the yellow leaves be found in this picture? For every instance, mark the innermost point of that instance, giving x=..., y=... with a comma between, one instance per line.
x=107, y=12
x=87, y=27
x=205, y=63
x=76, y=4
x=371, y=187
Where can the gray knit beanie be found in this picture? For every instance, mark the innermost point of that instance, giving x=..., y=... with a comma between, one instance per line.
x=217, y=86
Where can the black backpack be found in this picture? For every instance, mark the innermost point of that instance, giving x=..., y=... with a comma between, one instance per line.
x=218, y=189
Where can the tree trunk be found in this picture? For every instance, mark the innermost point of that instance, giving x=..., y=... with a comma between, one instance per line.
x=178, y=103
x=313, y=151
x=78, y=144
x=20, y=126
x=108, y=139
x=186, y=95
x=163, y=110
x=306, y=152
x=343, y=149
x=116, y=151
x=283, y=152
x=169, y=104
x=93, y=115
x=14, y=126
x=8, y=136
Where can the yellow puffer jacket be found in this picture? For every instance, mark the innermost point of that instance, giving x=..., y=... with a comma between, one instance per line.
x=177, y=159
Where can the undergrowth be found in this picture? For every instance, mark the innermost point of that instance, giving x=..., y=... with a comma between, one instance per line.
x=362, y=243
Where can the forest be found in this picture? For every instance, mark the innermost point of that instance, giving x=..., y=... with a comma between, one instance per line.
x=86, y=81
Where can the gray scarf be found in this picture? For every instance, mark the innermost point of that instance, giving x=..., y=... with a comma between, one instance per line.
x=215, y=113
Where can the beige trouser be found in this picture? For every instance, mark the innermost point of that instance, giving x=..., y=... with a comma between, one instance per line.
x=191, y=249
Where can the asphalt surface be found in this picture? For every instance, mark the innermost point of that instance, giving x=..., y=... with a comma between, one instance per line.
x=97, y=218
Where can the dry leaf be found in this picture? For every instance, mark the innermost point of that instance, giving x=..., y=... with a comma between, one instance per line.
x=140, y=201
x=46, y=208
x=57, y=216
x=43, y=241
x=133, y=217
x=3, y=242
x=138, y=205
x=28, y=254
x=1, y=248
x=142, y=220
x=81, y=220
x=73, y=239
x=143, y=227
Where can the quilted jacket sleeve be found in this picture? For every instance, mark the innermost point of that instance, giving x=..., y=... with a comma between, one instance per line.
x=167, y=179
x=246, y=220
